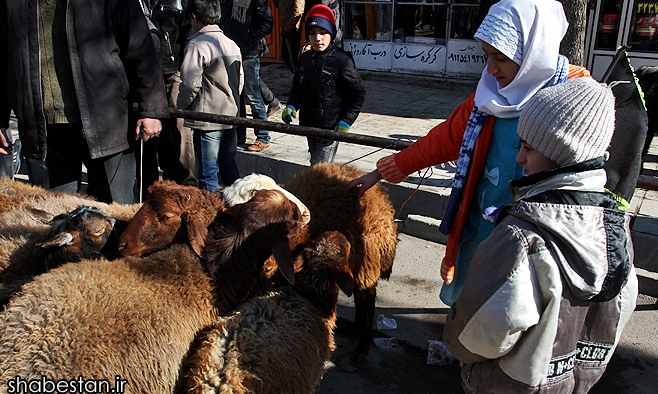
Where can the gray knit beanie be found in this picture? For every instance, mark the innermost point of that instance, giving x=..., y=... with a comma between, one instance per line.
x=570, y=122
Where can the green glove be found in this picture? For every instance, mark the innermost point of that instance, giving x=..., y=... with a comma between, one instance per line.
x=288, y=113
x=343, y=127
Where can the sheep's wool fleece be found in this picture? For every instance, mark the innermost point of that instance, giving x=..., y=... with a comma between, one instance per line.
x=570, y=122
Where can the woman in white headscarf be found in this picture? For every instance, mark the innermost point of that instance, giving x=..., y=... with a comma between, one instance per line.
x=521, y=39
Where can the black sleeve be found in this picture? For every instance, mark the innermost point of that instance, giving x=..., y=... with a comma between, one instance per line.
x=352, y=89
x=141, y=62
x=262, y=22
x=5, y=107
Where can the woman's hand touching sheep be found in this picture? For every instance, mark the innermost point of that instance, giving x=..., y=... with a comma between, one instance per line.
x=365, y=182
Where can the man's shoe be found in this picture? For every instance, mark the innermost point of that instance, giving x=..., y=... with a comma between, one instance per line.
x=273, y=107
x=257, y=146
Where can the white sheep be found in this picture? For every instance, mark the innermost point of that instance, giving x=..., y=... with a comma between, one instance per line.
x=25, y=213
x=80, y=234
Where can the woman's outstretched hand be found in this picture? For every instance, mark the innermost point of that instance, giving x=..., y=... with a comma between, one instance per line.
x=365, y=182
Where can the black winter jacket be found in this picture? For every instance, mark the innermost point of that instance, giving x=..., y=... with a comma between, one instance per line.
x=258, y=23
x=327, y=88
x=172, y=22
x=113, y=61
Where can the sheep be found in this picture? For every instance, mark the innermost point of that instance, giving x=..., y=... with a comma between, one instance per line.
x=25, y=212
x=280, y=341
x=370, y=220
x=174, y=213
x=268, y=218
x=135, y=317
x=82, y=233
x=171, y=213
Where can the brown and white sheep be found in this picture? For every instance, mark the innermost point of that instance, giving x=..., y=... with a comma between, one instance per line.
x=369, y=219
x=176, y=213
x=276, y=343
x=136, y=317
x=237, y=235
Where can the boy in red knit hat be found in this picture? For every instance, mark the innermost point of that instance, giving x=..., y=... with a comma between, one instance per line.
x=327, y=89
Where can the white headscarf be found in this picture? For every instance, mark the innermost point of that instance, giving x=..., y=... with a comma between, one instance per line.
x=529, y=32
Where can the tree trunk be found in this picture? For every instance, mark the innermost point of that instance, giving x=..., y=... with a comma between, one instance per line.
x=573, y=44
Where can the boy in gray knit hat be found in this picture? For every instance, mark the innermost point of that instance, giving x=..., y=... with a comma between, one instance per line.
x=549, y=291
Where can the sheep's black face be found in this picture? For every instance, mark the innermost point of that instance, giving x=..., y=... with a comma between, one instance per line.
x=76, y=235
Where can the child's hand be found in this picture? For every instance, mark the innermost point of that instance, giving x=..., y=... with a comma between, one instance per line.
x=288, y=113
x=343, y=127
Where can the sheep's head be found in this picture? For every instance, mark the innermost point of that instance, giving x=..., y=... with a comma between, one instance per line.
x=244, y=189
x=245, y=235
x=171, y=211
x=329, y=253
x=75, y=235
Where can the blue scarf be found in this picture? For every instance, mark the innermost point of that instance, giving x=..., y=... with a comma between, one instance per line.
x=473, y=128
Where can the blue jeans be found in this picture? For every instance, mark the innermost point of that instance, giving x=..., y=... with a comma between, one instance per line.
x=215, y=152
x=322, y=151
x=253, y=96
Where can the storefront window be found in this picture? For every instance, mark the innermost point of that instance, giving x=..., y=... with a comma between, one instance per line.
x=415, y=21
x=466, y=19
x=422, y=21
x=368, y=21
x=608, y=27
x=643, y=26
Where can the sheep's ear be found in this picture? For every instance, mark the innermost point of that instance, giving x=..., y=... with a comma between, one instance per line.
x=345, y=282
x=196, y=233
x=283, y=258
x=39, y=215
x=59, y=240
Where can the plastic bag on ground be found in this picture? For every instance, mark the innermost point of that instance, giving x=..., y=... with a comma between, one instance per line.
x=386, y=323
x=438, y=354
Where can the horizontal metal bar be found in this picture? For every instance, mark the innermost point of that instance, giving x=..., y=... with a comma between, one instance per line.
x=353, y=138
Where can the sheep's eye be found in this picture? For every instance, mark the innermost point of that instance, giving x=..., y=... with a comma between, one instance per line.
x=165, y=217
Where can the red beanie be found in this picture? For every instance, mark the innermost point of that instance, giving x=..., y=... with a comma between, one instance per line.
x=321, y=16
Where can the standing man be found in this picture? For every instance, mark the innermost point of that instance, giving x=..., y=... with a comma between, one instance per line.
x=174, y=150
x=290, y=19
x=247, y=22
x=212, y=81
x=71, y=71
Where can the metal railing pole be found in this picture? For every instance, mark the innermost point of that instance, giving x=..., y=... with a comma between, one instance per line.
x=354, y=138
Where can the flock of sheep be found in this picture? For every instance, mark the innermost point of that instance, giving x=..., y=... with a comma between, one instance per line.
x=191, y=292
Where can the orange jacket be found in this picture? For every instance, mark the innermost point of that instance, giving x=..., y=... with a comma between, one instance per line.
x=441, y=145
